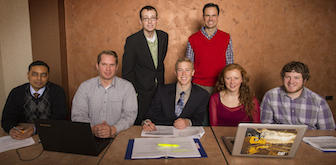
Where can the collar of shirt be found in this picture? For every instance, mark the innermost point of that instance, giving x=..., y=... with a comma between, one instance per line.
x=304, y=93
x=206, y=34
x=40, y=91
x=186, y=93
x=113, y=83
x=152, y=40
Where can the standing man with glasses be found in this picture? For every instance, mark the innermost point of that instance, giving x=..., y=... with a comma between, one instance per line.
x=143, y=58
x=211, y=50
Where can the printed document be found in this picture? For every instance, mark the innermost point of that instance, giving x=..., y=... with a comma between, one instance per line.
x=171, y=131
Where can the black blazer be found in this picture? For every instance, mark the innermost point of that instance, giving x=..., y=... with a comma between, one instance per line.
x=162, y=109
x=137, y=64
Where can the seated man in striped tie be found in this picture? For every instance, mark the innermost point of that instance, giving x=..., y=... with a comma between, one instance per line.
x=180, y=104
x=37, y=99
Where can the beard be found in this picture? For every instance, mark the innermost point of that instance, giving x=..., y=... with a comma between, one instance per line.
x=287, y=91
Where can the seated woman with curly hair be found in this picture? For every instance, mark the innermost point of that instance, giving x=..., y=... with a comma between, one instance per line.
x=233, y=102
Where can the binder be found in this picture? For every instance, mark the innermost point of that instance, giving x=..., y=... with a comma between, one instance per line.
x=129, y=150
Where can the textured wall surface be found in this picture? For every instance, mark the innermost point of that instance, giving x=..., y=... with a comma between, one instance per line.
x=45, y=36
x=15, y=46
x=266, y=35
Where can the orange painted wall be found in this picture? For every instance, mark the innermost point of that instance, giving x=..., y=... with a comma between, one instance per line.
x=266, y=35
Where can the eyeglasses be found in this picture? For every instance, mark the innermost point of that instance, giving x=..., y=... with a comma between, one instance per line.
x=147, y=19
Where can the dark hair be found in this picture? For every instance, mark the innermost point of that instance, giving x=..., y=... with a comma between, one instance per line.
x=298, y=67
x=37, y=63
x=107, y=52
x=211, y=5
x=245, y=94
x=148, y=8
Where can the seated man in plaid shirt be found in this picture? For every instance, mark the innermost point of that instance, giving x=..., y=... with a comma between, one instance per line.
x=292, y=103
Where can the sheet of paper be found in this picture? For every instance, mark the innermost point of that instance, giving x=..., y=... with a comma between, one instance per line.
x=147, y=148
x=8, y=143
x=194, y=132
x=323, y=143
x=187, y=147
x=167, y=131
x=171, y=131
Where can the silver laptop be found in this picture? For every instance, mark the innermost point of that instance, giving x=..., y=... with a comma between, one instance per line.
x=265, y=140
x=70, y=137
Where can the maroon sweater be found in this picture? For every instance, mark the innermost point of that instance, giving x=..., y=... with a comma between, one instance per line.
x=209, y=56
x=221, y=115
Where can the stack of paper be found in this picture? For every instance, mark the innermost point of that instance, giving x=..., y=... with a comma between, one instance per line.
x=322, y=143
x=171, y=131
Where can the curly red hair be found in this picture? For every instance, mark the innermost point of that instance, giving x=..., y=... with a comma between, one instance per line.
x=245, y=94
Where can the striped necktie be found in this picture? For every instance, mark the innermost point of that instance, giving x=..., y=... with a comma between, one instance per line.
x=179, y=105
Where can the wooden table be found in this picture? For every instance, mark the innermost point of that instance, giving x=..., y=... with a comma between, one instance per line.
x=305, y=154
x=47, y=157
x=116, y=152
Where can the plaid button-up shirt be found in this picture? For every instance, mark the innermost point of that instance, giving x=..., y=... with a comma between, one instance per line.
x=309, y=108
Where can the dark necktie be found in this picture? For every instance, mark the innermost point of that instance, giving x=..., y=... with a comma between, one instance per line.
x=36, y=95
x=179, y=105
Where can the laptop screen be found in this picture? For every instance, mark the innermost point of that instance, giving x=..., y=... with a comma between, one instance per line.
x=263, y=141
x=69, y=137
x=267, y=140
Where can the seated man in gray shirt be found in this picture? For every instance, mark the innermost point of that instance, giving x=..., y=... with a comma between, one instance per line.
x=107, y=102
x=180, y=104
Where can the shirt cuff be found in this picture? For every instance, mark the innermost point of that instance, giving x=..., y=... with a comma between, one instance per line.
x=190, y=123
x=34, y=130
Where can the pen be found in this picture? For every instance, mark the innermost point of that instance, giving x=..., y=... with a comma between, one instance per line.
x=19, y=129
x=152, y=129
x=146, y=123
x=167, y=145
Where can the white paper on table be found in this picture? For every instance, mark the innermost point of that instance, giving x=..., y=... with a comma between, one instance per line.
x=8, y=143
x=170, y=131
x=322, y=143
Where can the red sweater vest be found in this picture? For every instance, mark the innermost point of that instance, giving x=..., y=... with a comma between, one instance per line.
x=209, y=57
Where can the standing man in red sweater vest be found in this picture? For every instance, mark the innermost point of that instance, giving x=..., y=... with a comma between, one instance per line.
x=211, y=50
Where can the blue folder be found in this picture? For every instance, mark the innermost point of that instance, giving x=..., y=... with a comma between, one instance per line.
x=131, y=142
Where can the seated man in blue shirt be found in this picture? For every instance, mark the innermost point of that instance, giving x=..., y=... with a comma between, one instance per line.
x=292, y=103
x=37, y=99
x=179, y=104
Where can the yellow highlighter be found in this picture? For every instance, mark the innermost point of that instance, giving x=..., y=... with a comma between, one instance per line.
x=167, y=145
